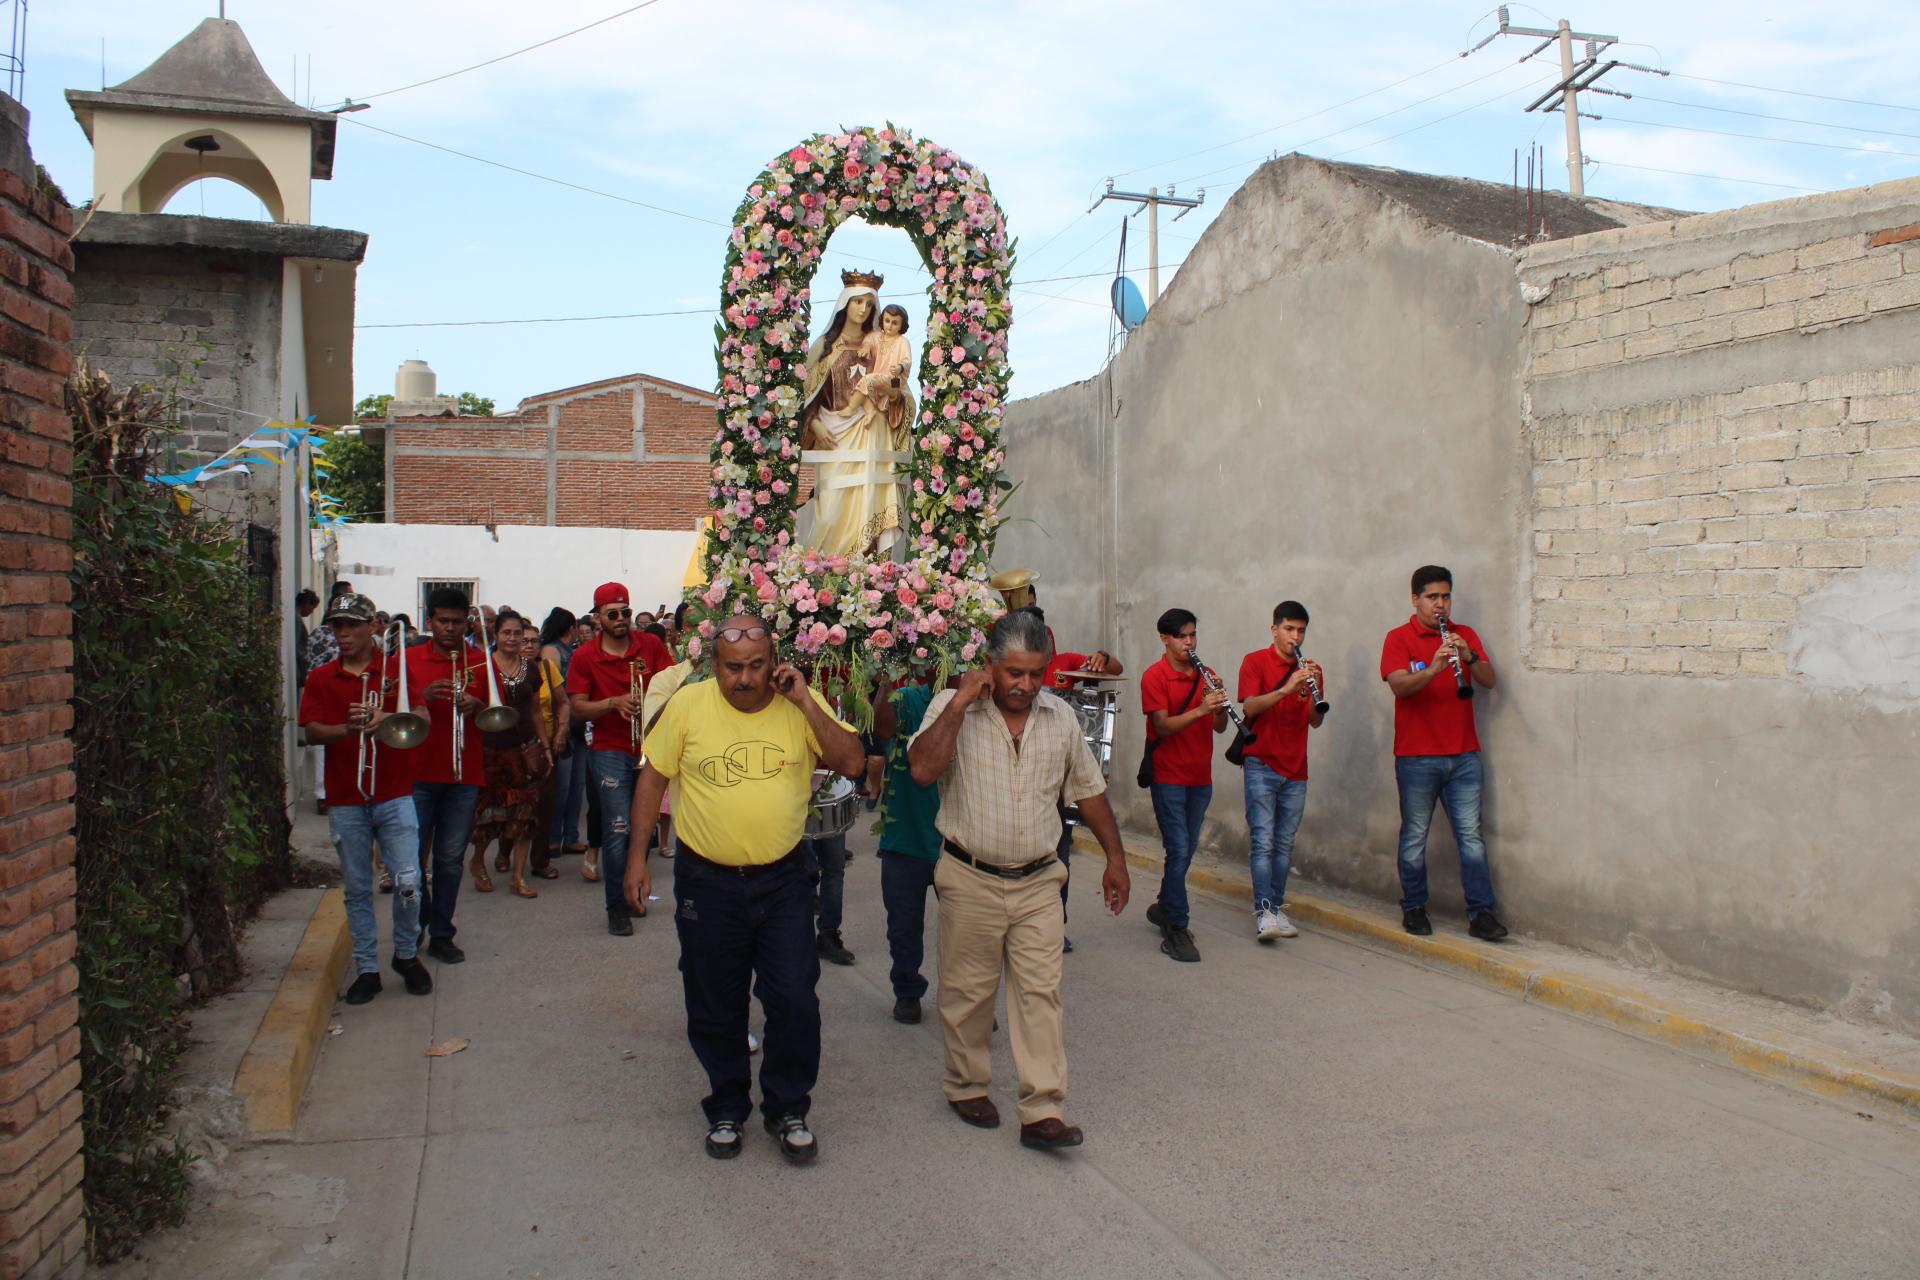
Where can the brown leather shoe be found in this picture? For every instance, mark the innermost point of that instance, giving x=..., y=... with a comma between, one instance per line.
x=978, y=1112
x=1045, y=1135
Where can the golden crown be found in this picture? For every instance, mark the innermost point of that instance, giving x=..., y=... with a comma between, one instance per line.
x=857, y=279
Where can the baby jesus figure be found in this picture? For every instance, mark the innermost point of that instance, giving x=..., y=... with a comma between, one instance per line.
x=888, y=355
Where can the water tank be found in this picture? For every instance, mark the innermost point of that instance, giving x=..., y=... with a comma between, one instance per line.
x=415, y=381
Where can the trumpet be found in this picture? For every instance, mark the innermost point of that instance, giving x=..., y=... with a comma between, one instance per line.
x=367, y=764
x=1212, y=678
x=462, y=675
x=636, y=688
x=1320, y=705
x=1462, y=682
x=406, y=728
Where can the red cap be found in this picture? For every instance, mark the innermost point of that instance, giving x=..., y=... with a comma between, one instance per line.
x=609, y=593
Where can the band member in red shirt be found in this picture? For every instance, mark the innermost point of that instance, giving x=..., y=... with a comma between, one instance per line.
x=369, y=793
x=448, y=672
x=605, y=682
x=1182, y=717
x=1276, y=701
x=1436, y=750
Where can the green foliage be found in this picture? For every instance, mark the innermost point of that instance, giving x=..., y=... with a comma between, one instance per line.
x=357, y=474
x=372, y=406
x=474, y=406
x=181, y=825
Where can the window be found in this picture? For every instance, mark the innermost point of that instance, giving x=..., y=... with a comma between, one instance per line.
x=430, y=585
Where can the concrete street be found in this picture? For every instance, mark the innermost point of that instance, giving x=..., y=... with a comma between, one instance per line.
x=1309, y=1109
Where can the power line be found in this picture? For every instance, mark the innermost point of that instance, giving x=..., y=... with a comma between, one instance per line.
x=598, y=22
x=1761, y=137
x=1765, y=115
x=1484, y=102
x=1796, y=93
x=1710, y=177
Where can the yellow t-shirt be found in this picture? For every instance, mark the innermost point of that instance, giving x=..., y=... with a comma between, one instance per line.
x=745, y=780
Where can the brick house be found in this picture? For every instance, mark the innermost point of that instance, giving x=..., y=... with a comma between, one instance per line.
x=626, y=453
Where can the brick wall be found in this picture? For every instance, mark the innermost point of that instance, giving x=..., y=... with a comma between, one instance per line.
x=41, y=1227
x=586, y=456
x=1723, y=414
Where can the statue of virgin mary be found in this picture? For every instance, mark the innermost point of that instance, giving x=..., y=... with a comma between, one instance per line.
x=856, y=404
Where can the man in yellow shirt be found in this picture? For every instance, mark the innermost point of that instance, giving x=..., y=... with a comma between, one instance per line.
x=743, y=747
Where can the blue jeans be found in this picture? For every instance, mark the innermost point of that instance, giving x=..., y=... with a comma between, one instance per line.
x=353, y=827
x=744, y=935
x=1455, y=781
x=1275, y=805
x=569, y=799
x=444, y=812
x=1179, y=810
x=614, y=773
x=826, y=857
x=904, y=881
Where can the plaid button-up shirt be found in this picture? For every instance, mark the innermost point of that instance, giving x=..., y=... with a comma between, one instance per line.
x=1000, y=800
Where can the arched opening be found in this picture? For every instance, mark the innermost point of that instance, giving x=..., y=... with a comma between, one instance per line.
x=199, y=154
x=215, y=196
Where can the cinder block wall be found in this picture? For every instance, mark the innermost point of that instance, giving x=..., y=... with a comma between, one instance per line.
x=42, y=1231
x=1723, y=416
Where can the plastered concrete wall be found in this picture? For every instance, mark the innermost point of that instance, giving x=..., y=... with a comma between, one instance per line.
x=1333, y=392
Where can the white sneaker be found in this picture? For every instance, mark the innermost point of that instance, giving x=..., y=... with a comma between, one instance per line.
x=1267, y=924
x=1282, y=925
x=753, y=1043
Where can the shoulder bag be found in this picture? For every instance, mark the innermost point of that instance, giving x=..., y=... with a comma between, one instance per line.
x=1144, y=776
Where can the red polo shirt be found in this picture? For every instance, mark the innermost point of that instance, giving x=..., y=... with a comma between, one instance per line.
x=1279, y=732
x=593, y=673
x=1186, y=757
x=433, y=759
x=325, y=699
x=1436, y=721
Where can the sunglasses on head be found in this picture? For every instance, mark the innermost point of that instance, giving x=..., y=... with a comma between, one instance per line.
x=733, y=635
x=616, y=613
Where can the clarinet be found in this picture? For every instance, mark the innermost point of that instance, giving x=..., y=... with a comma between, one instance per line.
x=1208, y=674
x=1320, y=705
x=1462, y=683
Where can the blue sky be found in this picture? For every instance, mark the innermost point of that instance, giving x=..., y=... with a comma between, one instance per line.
x=679, y=105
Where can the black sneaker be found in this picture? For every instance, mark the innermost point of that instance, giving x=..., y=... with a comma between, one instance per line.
x=1179, y=944
x=364, y=988
x=619, y=924
x=1157, y=916
x=444, y=950
x=906, y=1009
x=831, y=949
x=797, y=1142
x=419, y=981
x=1486, y=926
x=723, y=1139
x=1414, y=921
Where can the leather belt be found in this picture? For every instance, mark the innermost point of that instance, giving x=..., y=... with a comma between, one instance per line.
x=1020, y=872
x=742, y=869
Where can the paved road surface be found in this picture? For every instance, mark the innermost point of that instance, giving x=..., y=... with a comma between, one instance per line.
x=1311, y=1109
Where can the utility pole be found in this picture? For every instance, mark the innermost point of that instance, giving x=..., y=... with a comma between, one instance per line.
x=1574, y=77
x=1151, y=200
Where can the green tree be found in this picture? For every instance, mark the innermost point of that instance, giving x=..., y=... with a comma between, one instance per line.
x=372, y=407
x=357, y=474
x=475, y=406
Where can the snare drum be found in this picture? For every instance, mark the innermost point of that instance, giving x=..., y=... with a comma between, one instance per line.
x=835, y=807
x=1097, y=707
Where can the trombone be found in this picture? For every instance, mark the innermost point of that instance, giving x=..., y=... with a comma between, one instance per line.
x=406, y=728
x=403, y=730
x=367, y=764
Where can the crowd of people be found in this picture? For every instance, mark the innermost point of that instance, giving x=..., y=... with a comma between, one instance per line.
x=714, y=765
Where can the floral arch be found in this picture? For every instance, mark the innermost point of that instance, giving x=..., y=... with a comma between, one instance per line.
x=874, y=618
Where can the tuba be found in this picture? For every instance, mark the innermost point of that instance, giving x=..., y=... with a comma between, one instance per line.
x=1015, y=587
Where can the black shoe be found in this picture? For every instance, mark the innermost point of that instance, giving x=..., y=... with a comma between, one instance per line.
x=906, y=1009
x=364, y=988
x=1179, y=944
x=831, y=949
x=1486, y=927
x=797, y=1142
x=723, y=1139
x=1414, y=921
x=1067, y=946
x=619, y=924
x=1157, y=916
x=419, y=981
x=444, y=950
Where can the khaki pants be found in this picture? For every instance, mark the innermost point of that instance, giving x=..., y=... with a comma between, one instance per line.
x=987, y=923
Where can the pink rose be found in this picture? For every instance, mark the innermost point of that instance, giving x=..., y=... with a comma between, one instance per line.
x=818, y=633
x=908, y=598
x=836, y=634
x=882, y=639
x=768, y=592
x=967, y=651
x=826, y=596
x=693, y=648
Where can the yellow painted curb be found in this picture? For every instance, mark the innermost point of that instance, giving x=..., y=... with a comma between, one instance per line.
x=1802, y=1064
x=273, y=1076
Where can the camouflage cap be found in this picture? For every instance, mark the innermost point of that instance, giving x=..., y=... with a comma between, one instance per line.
x=351, y=608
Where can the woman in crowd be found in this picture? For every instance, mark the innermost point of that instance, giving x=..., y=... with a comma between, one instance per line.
x=516, y=761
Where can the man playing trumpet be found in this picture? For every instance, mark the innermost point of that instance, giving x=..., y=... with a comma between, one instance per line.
x=369, y=793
